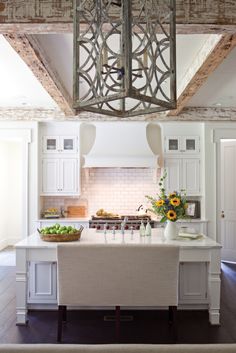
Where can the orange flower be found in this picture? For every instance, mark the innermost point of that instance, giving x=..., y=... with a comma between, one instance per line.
x=160, y=203
x=175, y=201
x=171, y=215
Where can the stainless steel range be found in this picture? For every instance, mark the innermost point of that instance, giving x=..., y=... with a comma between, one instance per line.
x=115, y=222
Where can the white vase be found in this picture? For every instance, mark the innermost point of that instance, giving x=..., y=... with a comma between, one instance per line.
x=170, y=231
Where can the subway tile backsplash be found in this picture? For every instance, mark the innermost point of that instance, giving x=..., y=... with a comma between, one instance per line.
x=115, y=190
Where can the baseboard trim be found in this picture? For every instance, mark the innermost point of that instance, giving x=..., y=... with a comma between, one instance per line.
x=3, y=244
x=8, y=242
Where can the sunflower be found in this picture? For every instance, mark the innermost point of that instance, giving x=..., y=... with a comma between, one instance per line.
x=173, y=194
x=171, y=215
x=175, y=201
x=160, y=203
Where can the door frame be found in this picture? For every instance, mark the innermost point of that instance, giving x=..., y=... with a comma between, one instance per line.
x=218, y=135
x=24, y=136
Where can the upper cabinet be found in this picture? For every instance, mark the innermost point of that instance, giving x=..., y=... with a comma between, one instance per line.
x=182, y=144
x=59, y=144
x=60, y=159
x=182, y=159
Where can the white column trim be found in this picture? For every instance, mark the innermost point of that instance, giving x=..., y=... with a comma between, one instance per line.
x=25, y=136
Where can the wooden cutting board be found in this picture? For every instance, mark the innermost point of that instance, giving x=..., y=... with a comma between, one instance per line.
x=76, y=211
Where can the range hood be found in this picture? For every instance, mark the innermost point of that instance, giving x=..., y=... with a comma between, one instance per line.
x=121, y=145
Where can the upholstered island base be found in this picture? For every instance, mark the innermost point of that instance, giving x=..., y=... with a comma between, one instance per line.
x=121, y=348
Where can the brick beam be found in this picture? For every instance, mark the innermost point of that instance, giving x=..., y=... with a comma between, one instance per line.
x=188, y=114
x=37, y=16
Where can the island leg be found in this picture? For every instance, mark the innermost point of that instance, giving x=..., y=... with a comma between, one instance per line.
x=21, y=287
x=214, y=287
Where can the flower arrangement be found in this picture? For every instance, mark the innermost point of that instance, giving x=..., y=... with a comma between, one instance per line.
x=171, y=207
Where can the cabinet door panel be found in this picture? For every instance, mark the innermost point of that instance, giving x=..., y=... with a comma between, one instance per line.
x=68, y=175
x=191, y=176
x=42, y=282
x=50, y=176
x=193, y=282
x=50, y=144
x=172, y=144
x=68, y=144
x=190, y=144
x=174, y=174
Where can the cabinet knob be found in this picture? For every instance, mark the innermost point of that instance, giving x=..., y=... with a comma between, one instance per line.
x=222, y=214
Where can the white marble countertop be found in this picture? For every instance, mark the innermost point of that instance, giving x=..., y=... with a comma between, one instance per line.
x=190, y=220
x=90, y=236
x=64, y=219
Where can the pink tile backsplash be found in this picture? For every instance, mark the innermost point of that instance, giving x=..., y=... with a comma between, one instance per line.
x=115, y=190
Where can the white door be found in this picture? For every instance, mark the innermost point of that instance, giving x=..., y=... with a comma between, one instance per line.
x=173, y=168
x=68, y=175
x=191, y=176
x=228, y=200
x=50, y=176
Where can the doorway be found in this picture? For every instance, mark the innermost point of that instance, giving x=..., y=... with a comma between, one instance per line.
x=11, y=192
x=227, y=183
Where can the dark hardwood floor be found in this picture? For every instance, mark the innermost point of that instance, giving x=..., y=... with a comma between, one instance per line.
x=89, y=326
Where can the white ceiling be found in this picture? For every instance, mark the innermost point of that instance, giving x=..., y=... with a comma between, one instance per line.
x=19, y=87
x=220, y=88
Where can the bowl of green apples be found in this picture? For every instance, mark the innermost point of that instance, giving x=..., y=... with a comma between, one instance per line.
x=60, y=233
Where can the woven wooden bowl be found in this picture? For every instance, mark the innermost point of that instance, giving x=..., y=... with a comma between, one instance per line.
x=61, y=237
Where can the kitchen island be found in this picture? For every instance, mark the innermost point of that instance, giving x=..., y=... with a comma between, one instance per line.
x=201, y=251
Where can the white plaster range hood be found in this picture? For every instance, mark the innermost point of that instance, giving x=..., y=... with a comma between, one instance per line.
x=121, y=145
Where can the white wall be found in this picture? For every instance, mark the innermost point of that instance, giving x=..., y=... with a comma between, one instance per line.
x=24, y=130
x=10, y=192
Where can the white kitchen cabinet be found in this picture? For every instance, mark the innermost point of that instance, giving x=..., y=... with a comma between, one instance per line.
x=42, y=285
x=59, y=144
x=68, y=176
x=50, y=176
x=173, y=167
x=60, y=176
x=191, y=175
x=193, y=283
x=182, y=144
x=183, y=174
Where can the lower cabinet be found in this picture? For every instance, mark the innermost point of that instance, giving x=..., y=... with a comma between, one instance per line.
x=200, y=227
x=42, y=282
x=193, y=283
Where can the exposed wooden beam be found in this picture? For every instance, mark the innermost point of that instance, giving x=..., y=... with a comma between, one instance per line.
x=38, y=64
x=37, y=16
x=198, y=76
x=49, y=66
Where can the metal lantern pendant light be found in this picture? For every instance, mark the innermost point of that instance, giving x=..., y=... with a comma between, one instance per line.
x=124, y=56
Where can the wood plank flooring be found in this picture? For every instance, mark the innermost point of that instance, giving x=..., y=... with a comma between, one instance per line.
x=90, y=328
